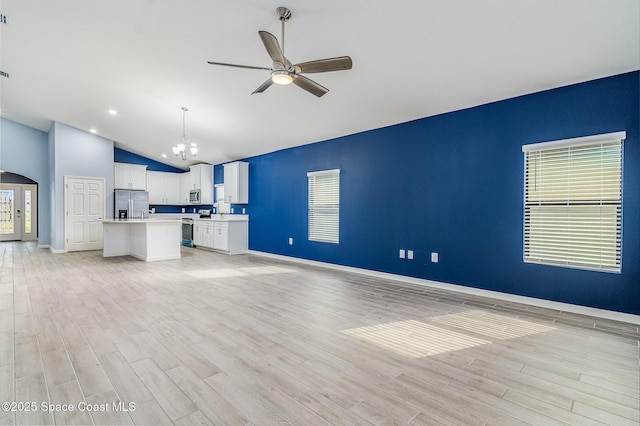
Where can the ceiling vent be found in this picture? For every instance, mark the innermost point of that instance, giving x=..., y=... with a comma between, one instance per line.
x=4, y=74
x=3, y=19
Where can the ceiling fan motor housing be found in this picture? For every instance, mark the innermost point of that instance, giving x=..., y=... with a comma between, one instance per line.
x=283, y=13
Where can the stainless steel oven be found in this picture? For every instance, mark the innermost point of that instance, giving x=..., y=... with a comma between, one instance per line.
x=187, y=232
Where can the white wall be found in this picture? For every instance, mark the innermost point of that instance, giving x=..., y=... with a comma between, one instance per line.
x=52, y=182
x=75, y=152
x=23, y=150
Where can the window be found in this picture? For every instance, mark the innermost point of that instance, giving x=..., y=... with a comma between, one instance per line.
x=27, y=211
x=324, y=206
x=6, y=211
x=573, y=202
x=220, y=205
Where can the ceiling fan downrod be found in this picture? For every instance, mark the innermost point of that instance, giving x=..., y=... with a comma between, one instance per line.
x=284, y=15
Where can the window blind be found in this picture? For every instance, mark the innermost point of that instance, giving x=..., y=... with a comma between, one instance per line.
x=573, y=203
x=324, y=206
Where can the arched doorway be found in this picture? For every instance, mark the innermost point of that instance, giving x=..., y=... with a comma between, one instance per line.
x=18, y=208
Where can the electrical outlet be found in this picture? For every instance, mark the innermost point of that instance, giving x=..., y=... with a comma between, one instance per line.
x=231, y=210
x=410, y=254
x=434, y=257
x=401, y=253
x=290, y=241
x=244, y=211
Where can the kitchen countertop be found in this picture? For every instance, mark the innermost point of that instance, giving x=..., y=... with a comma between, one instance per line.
x=176, y=217
x=225, y=218
x=146, y=220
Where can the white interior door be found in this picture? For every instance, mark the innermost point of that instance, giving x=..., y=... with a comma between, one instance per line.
x=10, y=212
x=84, y=201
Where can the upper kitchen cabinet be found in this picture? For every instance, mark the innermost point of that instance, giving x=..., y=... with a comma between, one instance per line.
x=185, y=187
x=201, y=177
x=164, y=188
x=236, y=182
x=130, y=176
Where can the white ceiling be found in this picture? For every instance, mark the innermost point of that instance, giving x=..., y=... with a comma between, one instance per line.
x=72, y=60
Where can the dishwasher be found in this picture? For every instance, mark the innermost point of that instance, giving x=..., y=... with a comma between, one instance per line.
x=187, y=232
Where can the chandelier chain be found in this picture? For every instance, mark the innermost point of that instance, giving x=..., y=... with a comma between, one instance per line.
x=185, y=135
x=179, y=150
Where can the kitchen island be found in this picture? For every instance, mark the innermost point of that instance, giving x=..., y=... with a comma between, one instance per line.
x=145, y=239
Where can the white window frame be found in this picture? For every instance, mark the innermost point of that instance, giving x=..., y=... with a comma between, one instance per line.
x=574, y=224
x=324, y=206
x=220, y=205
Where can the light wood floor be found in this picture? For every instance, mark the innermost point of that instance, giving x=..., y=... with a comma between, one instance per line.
x=237, y=340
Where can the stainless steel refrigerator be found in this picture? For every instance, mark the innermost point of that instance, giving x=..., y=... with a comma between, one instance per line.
x=131, y=202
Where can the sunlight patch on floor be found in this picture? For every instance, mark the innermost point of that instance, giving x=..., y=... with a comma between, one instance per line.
x=262, y=270
x=414, y=339
x=491, y=325
x=240, y=272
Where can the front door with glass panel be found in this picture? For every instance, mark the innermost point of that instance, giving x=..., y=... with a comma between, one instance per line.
x=18, y=212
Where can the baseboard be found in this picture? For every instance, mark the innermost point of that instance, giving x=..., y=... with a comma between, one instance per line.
x=542, y=303
x=56, y=251
x=44, y=246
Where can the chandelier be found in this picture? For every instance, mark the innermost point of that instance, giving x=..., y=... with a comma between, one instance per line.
x=180, y=149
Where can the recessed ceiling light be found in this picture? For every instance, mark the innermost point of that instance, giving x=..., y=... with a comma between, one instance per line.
x=164, y=155
x=93, y=130
x=112, y=111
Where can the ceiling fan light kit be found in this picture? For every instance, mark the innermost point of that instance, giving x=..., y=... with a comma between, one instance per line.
x=281, y=77
x=283, y=72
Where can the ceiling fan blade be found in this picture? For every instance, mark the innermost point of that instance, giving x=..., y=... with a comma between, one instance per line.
x=239, y=66
x=324, y=65
x=273, y=48
x=309, y=85
x=264, y=86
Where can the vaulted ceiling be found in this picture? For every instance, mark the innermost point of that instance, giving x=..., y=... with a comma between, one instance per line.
x=73, y=60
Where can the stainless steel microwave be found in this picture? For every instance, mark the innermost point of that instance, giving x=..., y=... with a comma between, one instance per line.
x=194, y=196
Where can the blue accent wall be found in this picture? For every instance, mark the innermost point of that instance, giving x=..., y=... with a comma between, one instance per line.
x=453, y=184
x=122, y=156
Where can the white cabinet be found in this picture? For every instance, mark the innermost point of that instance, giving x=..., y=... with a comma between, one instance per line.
x=236, y=182
x=221, y=236
x=172, y=188
x=185, y=187
x=129, y=176
x=229, y=235
x=164, y=188
x=155, y=186
x=201, y=177
x=203, y=233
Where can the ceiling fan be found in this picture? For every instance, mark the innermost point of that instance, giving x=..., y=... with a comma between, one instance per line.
x=283, y=72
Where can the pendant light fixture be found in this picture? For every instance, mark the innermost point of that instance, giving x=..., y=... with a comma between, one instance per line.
x=180, y=149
